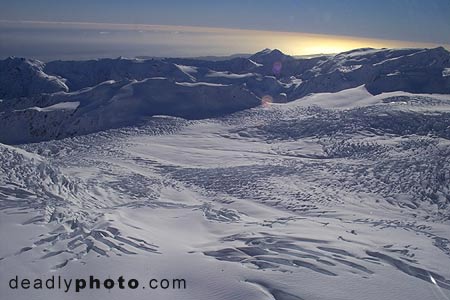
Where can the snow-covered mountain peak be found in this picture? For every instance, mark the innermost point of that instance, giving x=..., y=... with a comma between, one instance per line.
x=269, y=56
x=110, y=93
x=21, y=77
x=332, y=171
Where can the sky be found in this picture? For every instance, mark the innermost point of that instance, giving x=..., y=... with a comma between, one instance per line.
x=64, y=29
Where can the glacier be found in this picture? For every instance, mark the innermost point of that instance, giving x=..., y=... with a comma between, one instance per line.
x=267, y=177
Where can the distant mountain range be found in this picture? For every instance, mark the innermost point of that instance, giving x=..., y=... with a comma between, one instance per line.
x=65, y=98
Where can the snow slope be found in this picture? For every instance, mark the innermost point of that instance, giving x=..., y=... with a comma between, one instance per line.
x=81, y=74
x=328, y=197
x=121, y=92
x=337, y=187
x=116, y=104
x=20, y=77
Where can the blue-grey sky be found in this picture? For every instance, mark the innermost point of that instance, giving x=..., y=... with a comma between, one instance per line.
x=410, y=20
x=84, y=29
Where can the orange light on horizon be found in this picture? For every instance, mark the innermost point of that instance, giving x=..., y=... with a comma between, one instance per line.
x=217, y=41
x=309, y=44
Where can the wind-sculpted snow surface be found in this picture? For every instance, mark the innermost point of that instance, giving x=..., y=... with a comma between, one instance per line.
x=113, y=93
x=330, y=196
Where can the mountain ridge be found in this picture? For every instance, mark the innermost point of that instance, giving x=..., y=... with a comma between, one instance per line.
x=65, y=98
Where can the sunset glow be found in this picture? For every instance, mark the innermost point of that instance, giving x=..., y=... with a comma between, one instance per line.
x=91, y=40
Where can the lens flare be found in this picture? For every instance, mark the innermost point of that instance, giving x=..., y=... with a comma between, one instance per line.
x=276, y=68
x=438, y=287
x=266, y=101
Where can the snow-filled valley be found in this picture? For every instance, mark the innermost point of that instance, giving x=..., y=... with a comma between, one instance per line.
x=262, y=178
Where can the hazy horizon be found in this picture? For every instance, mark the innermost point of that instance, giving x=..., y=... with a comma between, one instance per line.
x=84, y=29
x=412, y=20
x=87, y=40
